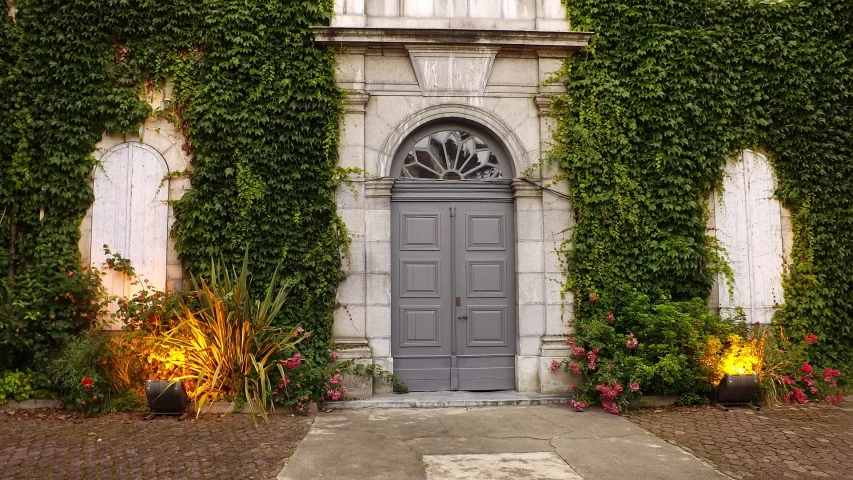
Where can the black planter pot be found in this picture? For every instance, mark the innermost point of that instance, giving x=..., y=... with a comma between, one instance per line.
x=737, y=389
x=165, y=397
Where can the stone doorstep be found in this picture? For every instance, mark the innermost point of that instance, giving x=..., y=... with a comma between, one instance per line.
x=451, y=399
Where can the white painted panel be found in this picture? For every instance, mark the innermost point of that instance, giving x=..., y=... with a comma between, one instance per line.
x=519, y=9
x=550, y=9
x=730, y=213
x=130, y=214
x=383, y=8
x=484, y=8
x=418, y=8
x=748, y=226
x=765, y=227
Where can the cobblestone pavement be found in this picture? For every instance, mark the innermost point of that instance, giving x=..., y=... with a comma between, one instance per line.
x=801, y=442
x=54, y=445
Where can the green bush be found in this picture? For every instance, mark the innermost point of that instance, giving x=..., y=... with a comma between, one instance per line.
x=643, y=348
x=20, y=386
x=57, y=306
x=79, y=377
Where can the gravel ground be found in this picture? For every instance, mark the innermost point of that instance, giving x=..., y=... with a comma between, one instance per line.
x=58, y=445
x=802, y=442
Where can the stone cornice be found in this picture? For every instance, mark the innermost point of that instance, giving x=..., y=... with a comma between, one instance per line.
x=355, y=101
x=543, y=103
x=551, y=42
x=380, y=187
x=522, y=188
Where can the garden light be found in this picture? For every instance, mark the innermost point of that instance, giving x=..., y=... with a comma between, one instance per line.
x=166, y=397
x=737, y=389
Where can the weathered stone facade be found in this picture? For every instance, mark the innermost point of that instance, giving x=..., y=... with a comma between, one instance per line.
x=494, y=64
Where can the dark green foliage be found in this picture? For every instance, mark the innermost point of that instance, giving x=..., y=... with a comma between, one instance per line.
x=671, y=338
x=261, y=109
x=254, y=95
x=20, y=386
x=666, y=90
x=58, y=96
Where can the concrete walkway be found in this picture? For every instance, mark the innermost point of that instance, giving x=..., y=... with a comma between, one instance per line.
x=545, y=442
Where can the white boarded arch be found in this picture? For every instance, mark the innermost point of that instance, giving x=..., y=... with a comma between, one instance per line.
x=749, y=226
x=130, y=214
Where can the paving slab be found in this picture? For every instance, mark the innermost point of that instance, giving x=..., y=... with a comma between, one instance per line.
x=457, y=443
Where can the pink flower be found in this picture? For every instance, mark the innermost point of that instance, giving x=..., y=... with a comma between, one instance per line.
x=810, y=338
x=573, y=386
x=632, y=343
x=570, y=341
x=593, y=298
x=333, y=357
x=610, y=407
x=578, y=351
x=591, y=356
x=555, y=365
x=591, y=366
x=575, y=368
x=299, y=331
x=828, y=373
x=787, y=380
x=578, y=406
x=797, y=395
x=610, y=317
x=634, y=386
x=336, y=379
x=283, y=382
x=807, y=369
x=293, y=362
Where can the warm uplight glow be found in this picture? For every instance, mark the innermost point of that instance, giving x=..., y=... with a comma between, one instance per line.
x=738, y=358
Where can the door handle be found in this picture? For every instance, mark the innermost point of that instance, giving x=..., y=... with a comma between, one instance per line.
x=462, y=317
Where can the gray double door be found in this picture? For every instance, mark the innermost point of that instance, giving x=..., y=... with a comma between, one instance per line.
x=452, y=294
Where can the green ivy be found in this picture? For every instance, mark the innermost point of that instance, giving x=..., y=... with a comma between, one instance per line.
x=260, y=106
x=257, y=102
x=60, y=91
x=666, y=90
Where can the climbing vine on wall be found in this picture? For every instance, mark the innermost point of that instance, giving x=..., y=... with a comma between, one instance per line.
x=664, y=92
x=257, y=102
x=260, y=106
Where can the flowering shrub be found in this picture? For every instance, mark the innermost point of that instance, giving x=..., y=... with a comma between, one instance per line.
x=80, y=378
x=300, y=382
x=788, y=376
x=641, y=348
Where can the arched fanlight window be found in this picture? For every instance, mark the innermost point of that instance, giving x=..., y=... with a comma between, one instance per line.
x=451, y=155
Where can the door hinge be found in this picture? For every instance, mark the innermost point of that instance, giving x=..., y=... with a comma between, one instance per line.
x=453, y=210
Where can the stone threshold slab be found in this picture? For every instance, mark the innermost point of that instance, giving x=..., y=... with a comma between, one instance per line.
x=451, y=399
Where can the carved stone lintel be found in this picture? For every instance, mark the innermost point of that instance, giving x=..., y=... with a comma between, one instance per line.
x=356, y=101
x=452, y=70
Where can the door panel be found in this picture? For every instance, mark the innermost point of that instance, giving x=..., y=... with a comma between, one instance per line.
x=484, y=261
x=421, y=294
x=453, y=290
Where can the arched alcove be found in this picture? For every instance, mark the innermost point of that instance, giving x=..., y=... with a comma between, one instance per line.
x=130, y=214
x=749, y=226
